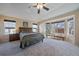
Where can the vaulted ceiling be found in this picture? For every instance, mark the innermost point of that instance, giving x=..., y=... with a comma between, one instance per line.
x=23, y=11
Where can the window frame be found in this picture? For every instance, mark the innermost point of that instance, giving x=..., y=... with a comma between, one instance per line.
x=35, y=28
x=9, y=28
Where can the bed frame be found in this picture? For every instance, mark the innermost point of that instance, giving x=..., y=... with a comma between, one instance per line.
x=24, y=29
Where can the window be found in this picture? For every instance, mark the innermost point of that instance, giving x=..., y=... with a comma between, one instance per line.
x=53, y=27
x=71, y=26
x=59, y=27
x=9, y=26
x=48, y=28
x=35, y=28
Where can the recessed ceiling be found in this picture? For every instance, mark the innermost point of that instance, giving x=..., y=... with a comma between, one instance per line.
x=23, y=11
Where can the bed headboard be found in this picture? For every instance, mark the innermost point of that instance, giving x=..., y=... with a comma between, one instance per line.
x=24, y=29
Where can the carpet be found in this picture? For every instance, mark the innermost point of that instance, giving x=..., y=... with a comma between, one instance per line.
x=50, y=47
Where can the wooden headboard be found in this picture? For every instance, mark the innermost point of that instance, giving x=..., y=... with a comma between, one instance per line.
x=23, y=29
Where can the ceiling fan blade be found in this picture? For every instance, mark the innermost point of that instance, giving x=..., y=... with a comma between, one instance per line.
x=35, y=6
x=43, y=3
x=38, y=11
x=44, y=7
x=32, y=6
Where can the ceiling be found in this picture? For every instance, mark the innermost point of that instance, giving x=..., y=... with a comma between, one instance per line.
x=23, y=11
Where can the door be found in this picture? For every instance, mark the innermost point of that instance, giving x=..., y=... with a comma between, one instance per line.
x=71, y=30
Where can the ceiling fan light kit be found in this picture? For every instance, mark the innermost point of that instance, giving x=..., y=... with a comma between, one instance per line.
x=40, y=6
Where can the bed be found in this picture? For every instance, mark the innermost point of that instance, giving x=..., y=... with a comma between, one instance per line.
x=28, y=39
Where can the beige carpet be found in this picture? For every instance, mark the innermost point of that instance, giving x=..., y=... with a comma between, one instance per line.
x=49, y=47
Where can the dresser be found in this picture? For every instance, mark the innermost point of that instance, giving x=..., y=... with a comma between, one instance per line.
x=14, y=37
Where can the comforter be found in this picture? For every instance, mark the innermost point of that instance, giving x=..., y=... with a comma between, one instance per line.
x=31, y=39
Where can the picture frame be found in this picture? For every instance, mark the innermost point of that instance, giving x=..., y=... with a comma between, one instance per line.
x=25, y=24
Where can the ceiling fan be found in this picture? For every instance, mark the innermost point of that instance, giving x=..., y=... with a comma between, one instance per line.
x=40, y=6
